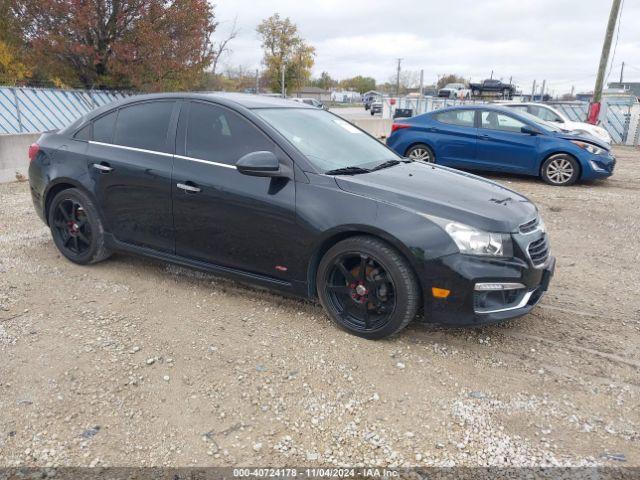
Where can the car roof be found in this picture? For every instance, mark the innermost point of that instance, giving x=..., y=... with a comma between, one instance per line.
x=482, y=106
x=232, y=100
x=246, y=100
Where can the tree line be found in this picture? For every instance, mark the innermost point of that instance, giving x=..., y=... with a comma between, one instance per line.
x=152, y=45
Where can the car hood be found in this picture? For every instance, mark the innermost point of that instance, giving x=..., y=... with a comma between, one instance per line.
x=444, y=192
x=587, y=127
x=582, y=136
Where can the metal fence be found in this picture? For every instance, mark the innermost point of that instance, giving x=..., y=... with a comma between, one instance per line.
x=33, y=110
x=620, y=116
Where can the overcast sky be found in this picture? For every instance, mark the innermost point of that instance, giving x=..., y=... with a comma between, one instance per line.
x=556, y=40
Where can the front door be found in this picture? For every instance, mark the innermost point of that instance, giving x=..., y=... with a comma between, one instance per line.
x=503, y=147
x=130, y=160
x=220, y=215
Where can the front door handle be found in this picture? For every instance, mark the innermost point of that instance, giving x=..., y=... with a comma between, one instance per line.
x=484, y=137
x=188, y=188
x=103, y=167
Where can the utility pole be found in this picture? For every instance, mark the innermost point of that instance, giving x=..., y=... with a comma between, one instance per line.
x=398, y=79
x=533, y=91
x=282, y=81
x=421, y=91
x=491, y=77
x=257, y=82
x=573, y=90
x=606, y=49
x=621, y=74
x=544, y=84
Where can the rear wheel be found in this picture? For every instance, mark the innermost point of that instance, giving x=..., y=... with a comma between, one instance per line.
x=421, y=152
x=76, y=227
x=367, y=287
x=560, y=170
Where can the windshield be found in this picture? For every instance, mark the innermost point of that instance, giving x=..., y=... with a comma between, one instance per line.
x=328, y=141
x=549, y=126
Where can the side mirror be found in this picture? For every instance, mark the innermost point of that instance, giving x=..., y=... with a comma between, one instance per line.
x=259, y=164
x=530, y=130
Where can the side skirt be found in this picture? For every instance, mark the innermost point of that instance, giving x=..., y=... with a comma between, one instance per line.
x=297, y=289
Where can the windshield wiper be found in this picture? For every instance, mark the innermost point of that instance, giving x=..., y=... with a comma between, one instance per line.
x=387, y=164
x=347, y=171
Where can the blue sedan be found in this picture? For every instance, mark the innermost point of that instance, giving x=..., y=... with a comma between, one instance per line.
x=491, y=138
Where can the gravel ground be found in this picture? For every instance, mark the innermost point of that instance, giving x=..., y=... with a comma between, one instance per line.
x=134, y=362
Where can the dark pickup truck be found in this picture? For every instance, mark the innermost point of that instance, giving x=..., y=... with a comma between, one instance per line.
x=491, y=85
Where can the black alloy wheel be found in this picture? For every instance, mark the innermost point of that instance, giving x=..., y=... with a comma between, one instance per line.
x=76, y=227
x=367, y=287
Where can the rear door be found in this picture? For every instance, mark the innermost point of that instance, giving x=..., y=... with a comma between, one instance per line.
x=454, y=133
x=502, y=146
x=222, y=216
x=130, y=160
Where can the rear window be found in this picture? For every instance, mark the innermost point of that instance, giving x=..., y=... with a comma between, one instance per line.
x=103, y=127
x=84, y=133
x=463, y=118
x=144, y=125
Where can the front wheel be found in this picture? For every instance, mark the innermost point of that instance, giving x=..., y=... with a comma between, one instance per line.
x=367, y=287
x=560, y=170
x=421, y=152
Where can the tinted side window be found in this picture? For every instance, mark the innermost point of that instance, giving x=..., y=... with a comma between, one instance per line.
x=220, y=135
x=103, y=127
x=144, y=125
x=84, y=133
x=500, y=121
x=463, y=118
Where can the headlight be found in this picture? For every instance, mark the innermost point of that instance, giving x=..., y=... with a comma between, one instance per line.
x=588, y=147
x=477, y=242
x=472, y=241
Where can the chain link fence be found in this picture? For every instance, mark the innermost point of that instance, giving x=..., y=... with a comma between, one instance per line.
x=33, y=110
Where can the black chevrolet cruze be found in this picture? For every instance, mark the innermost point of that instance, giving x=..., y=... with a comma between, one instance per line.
x=293, y=198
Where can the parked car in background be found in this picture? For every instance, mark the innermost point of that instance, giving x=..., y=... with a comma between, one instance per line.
x=369, y=99
x=550, y=114
x=494, y=138
x=376, y=107
x=454, y=90
x=492, y=86
x=224, y=182
x=310, y=101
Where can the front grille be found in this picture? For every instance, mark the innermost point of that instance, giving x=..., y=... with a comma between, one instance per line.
x=529, y=226
x=539, y=251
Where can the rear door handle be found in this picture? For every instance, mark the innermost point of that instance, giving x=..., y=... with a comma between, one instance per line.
x=188, y=188
x=103, y=167
x=484, y=137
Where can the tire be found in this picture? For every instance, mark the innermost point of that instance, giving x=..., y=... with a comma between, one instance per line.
x=372, y=114
x=76, y=227
x=475, y=92
x=349, y=297
x=421, y=152
x=560, y=170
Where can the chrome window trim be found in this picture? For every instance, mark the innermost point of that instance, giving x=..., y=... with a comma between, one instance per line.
x=164, y=154
x=134, y=149
x=218, y=164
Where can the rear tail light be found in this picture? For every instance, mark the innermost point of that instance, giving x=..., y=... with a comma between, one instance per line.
x=399, y=126
x=34, y=148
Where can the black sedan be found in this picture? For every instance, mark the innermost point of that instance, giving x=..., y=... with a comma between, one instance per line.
x=292, y=198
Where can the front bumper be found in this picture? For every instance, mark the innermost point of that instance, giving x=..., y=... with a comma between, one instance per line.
x=598, y=166
x=465, y=306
